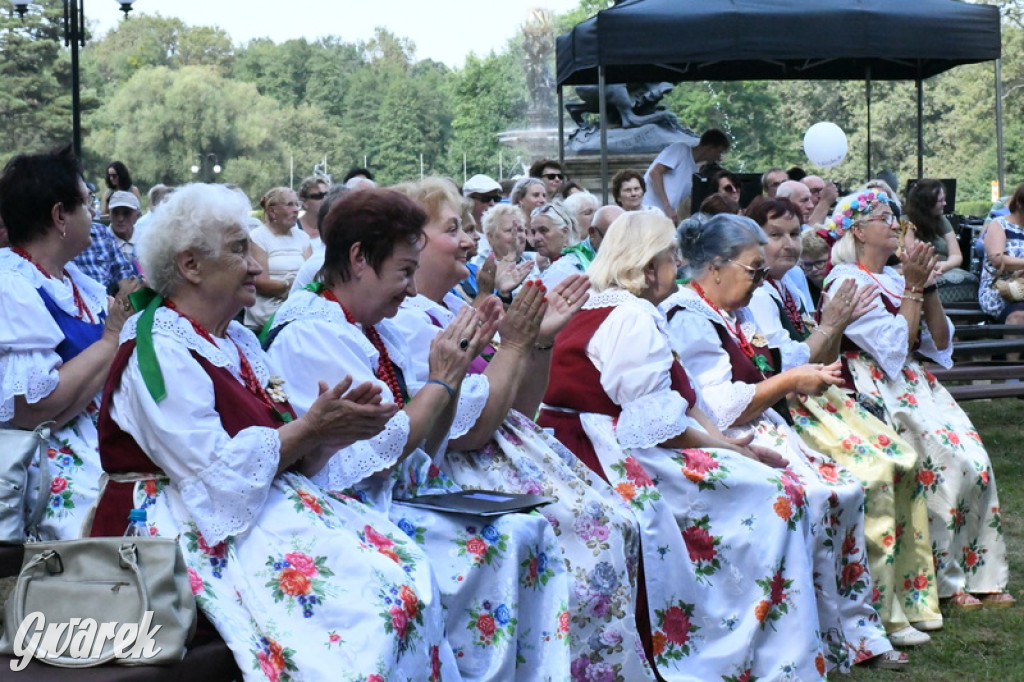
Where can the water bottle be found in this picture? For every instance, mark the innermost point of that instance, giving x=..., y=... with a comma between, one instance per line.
x=137, y=527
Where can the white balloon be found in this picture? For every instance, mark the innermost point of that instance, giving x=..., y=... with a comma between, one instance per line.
x=825, y=144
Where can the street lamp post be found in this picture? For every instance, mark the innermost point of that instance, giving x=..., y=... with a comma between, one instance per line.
x=208, y=164
x=74, y=36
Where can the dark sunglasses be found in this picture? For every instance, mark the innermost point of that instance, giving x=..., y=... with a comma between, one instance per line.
x=317, y=196
x=553, y=176
x=488, y=199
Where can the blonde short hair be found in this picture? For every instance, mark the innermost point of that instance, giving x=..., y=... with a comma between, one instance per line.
x=432, y=193
x=275, y=195
x=629, y=246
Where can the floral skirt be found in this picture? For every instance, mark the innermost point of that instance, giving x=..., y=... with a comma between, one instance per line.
x=834, y=503
x=728, y=578
x=895, y=511
x=955, y=474
x=319, y=587
x=75, y=472
x=503, y=585
x=599, y=539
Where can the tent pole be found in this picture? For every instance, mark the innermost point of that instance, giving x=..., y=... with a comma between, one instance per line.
x=867, y=93
x=1001, y=152
x=602, y=107
x=561, y=131
x=920, y=129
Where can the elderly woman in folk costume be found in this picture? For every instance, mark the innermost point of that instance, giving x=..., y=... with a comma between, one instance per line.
x=834, y=423
x=194, y=429
x=59, y=333
x=955, y=472
x=502, y=584
x=728, y=577
x=505, y=450
x=737, y=372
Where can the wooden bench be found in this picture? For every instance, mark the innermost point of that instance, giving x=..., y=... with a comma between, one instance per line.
x=210, y=661
x=982, y=372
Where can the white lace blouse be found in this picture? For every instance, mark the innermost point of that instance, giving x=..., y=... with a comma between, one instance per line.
x=29, y=336
x=764, y=310
x=691, y=333
x=318, y=344
x=223, y=481
x=883, y=335
x=631, y=352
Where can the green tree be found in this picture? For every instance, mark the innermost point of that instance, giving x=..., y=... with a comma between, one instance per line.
x=147, y=41
x=489, y=96
x=160, y=119
x=35, y=81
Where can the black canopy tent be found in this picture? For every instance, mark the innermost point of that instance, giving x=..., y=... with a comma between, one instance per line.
x=688, y=40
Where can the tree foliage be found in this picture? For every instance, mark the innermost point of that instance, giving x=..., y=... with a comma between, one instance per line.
x=156, y=92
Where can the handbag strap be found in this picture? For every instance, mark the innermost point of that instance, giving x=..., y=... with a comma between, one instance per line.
x=128, y=557
x=42, y=432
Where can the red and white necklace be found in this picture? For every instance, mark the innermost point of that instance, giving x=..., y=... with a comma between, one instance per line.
x=385, y=368
x=83, y=310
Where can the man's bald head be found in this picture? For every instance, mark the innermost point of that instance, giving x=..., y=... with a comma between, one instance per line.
x=799, y=194
x=603, y=219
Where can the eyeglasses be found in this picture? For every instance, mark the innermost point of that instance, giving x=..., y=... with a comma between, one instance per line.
x=757, y=275
x=887, y=218
x=488, y=199
x=317, y=196
x=553, y=176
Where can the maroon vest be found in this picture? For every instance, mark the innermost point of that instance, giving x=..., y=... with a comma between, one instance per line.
x=237, y=407
x=743, y=368
x=575, y=384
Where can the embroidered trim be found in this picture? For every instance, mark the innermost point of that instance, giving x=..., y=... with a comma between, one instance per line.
x=93, y=293
x=652, y=419
x=170, y=323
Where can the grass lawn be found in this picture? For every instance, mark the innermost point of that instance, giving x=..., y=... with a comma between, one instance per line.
x=985, y=645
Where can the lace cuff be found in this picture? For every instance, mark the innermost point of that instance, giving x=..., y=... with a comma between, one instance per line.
x=727, y=401
x=794, y=355
x=928, y=349
x=227, y=497
x=360, y=460
x=472, y=399
x=652, y=419
x=32, y=374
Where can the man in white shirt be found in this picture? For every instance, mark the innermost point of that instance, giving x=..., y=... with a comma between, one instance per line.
x=669, y=180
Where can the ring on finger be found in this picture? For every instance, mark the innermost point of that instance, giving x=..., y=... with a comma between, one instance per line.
x=464, y=344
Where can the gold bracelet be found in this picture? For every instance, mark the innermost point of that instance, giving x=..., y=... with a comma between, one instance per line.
x=828, y=337
x=916, y=290
x=916, y=299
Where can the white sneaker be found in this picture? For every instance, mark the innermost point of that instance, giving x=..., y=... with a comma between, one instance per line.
x=909, y=636
x=928, y=625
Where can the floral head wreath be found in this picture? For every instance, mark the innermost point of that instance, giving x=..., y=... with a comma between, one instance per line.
x=850, y=208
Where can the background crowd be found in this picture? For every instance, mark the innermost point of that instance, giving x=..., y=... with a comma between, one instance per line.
x=751, y=474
